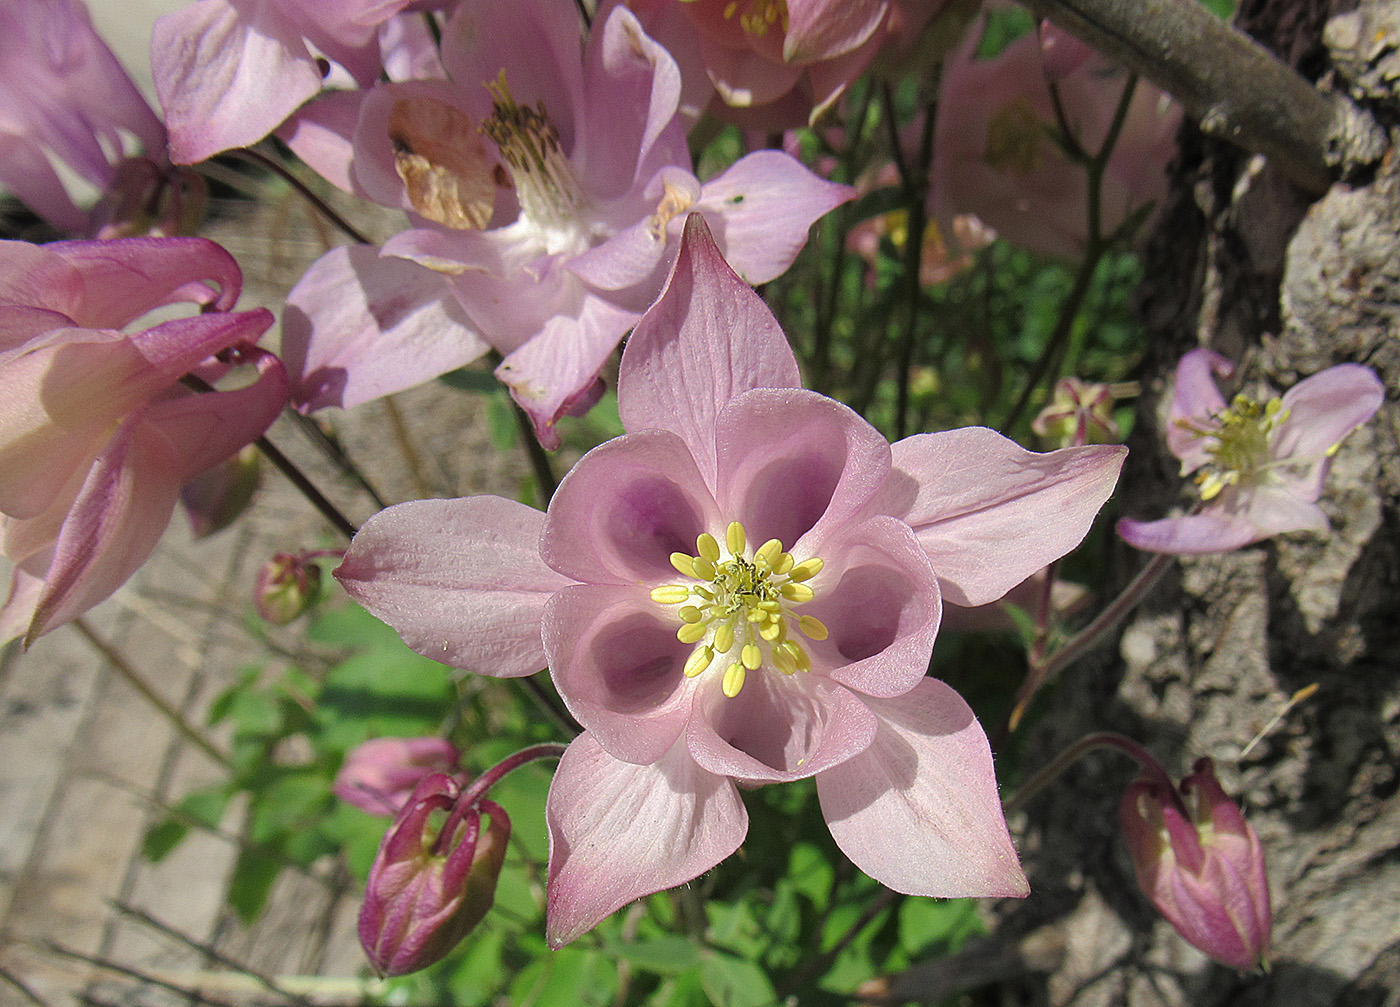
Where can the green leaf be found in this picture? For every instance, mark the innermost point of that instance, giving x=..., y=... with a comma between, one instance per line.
x=730, y=981
x=202, y=807
x=662, y=955
x=470, y=379
x=251, y=882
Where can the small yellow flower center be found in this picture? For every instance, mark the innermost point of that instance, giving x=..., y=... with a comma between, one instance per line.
x=739, y=607
x=758, y=16
x=1239, y=448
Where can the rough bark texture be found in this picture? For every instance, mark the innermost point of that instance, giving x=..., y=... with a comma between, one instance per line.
x=1244, y=265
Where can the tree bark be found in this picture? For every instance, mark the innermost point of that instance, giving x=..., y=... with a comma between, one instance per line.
x=1245, y=264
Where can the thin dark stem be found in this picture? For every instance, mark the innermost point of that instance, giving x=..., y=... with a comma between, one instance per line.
x=134, y=679
x=18, y=984
x=333, y=450
x=915, y=188
x=308, y=489
x=404, y=440
x=539, y=458
x=210, y=952
x=321, y=206
x=1061, y=762
x=131, y=973
x=553, y=709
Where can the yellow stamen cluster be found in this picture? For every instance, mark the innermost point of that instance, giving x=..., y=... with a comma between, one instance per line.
x=758, y=16
x=740, y=604
x=1240, y=443
x=545, y=181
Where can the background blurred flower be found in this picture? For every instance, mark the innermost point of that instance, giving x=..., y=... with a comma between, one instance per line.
x=379, y=775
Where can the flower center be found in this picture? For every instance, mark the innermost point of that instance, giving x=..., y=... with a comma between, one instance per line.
x=447, y=173
x=1240, y=443
x=1014, y=134
x=757, y=16
x=551, y=197
x=742, y=602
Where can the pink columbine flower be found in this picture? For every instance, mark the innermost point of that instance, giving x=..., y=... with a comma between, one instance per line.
x=548, y=180
x=434, y=877
x=995, y=153
x=228, y=72
x=779, y=63
x=379, y=775
x=96, y=433
x=1201, y=864
x=1259, y=465
x=66, y=103
x=1079, y=412
x=742, y=589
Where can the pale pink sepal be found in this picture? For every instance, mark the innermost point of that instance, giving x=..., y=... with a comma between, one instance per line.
x=322, y=134
x=919, y=810
x=125, y=278
x=1324, y=408
x=823, y=29
x=228, y=75
x=618, y=832
x=359, y=325
x=708, y=338
x=990, y=513
x=1195, y=398
x=461, y=580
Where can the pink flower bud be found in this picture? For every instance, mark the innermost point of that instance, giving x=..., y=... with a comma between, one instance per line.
x=380, y=775
x=1201, y=865
x=431, y=883
x=287, y=585
x=215, y=499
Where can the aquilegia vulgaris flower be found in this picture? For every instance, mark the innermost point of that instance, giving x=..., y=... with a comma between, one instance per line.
x=743, y=588
x=1259, y=465
x=97, y=435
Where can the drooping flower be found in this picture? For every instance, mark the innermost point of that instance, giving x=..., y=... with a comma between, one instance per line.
x=1079, y=412
x=68, y=107
x=544, y=238
x=996, y=153
x=1201, y=864
x=228, y=72
x=1259, y=465
x=745, y=587
x=380, y=775
x=96, y=433
x=432, y=881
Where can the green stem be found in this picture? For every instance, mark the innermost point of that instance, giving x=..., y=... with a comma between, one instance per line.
x=1061, y=762
x=494, y=775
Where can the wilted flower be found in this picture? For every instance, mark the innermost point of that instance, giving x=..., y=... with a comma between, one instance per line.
x=995, y=149
x=1259, y=465
x=286, y=587
x=66, y=104
x=433, y=879
x=744, y=588
x=1079, y=412
x=97, y=434
x=544, y=238
x=1201, y=864
x=379, y=775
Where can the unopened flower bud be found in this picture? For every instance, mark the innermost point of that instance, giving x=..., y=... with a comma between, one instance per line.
x=1201, y=865
x=1079, y=412
x=380, y=775
x=215, y=499
x=433, y=879
x=287, y=585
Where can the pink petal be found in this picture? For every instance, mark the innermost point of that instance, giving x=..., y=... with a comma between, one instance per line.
x=632, y=258
x=990, y=513
x=761, y=208
x=461, y=580
x=706, y=340
x=878, y=597
x=227, y=76
x=1275, y=510
x=359, y=326
x=119, y=516
x=624, y=508
x=557, y=368
x=618, y=832
x=626, y=69
x=33, y=276
x=778, y=728
x=28, y=174
x=321, y=133
x=793, y=463
x=1324, y=408
x=919, y=810
x=1196, y=399
x=821, y=29
x=125, y=278
x=614, y=656
x=1194, y=534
